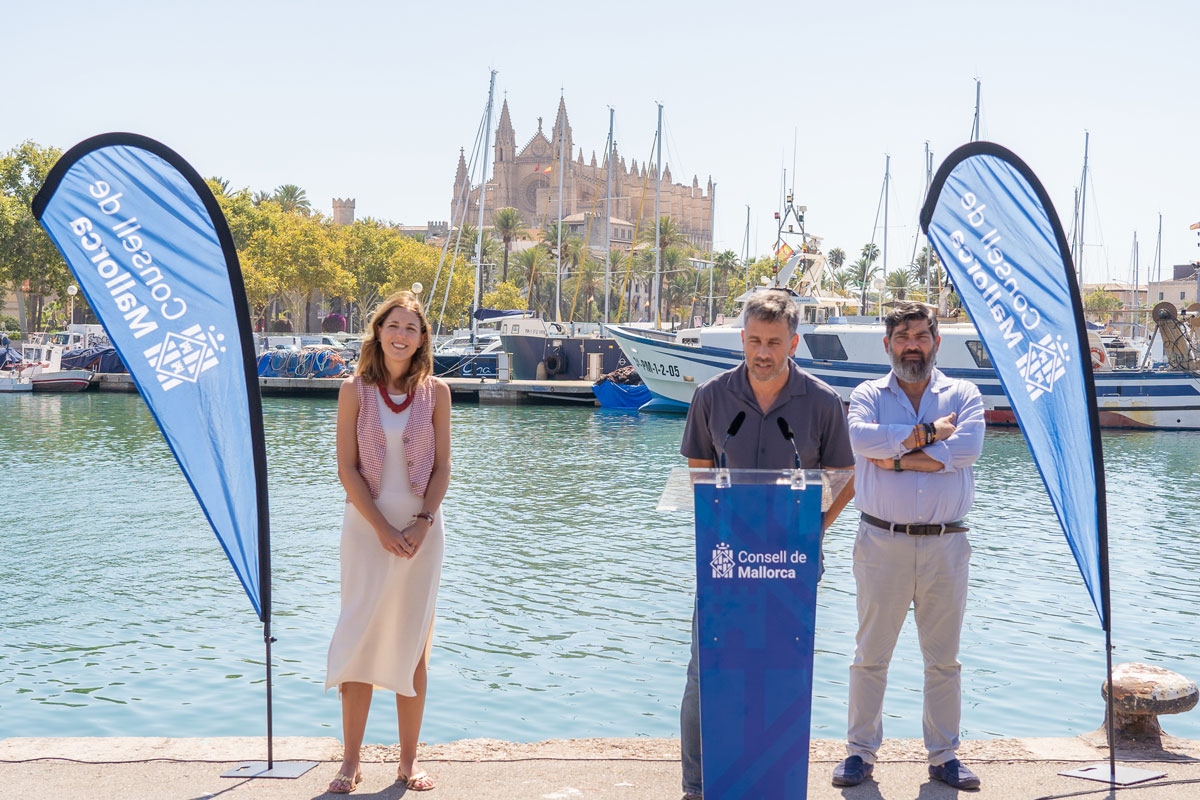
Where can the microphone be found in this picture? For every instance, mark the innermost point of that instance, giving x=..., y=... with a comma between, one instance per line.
x=786, y=430
x=734, y=427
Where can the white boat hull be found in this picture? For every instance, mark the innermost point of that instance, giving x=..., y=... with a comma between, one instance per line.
x=12, y=383
x=1126, y=398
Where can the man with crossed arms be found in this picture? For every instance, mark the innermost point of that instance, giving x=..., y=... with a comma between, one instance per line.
x=915, y=434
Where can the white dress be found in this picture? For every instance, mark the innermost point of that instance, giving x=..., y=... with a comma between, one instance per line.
x=387, y=601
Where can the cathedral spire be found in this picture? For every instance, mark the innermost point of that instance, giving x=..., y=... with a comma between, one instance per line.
x=562, y=124
x=506, y=137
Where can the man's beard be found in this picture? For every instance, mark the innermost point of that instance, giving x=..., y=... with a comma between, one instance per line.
x=911, y=371
x=779, y=369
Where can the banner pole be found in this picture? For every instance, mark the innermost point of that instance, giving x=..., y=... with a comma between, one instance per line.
x=1112, y=740
x=270, y=740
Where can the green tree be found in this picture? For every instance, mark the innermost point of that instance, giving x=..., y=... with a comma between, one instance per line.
x=29, y=262
x=417, y=262
x=291, y=197
x=534, y=262
x=836, y=259
x=366, y=248
x=304, y=259
x=506, y=295
x=899, y=283
x=1101, y=305
x=507, y=225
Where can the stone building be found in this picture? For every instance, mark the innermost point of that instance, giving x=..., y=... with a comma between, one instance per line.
x=526, y=178
x=1182, y=290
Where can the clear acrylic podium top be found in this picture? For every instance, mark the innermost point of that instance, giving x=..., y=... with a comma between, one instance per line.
x=677, y=493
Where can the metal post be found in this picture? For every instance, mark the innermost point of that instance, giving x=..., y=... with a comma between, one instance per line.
x=487, y=130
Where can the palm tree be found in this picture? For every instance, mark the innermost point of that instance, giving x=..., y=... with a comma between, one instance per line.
x=899, y=283
x=866, y=269
x=222, y=184
x=292, y=198
x=925, y=264
x=532, y=261
x=261, y=197
x=507, y=225
x=836, y=259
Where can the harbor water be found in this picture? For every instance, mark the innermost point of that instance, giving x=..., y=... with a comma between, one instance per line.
x=566, y=598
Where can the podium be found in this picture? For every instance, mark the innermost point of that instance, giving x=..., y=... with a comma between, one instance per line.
x=758, y=551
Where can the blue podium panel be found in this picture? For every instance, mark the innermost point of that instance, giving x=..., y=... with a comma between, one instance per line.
x=757, y=563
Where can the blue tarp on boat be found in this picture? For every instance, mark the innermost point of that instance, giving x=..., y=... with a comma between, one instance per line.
x=616, y=395
x=311, y=364
x=98, y=359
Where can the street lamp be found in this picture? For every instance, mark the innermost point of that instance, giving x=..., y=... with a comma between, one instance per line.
x=72, y=290
x=878, y=285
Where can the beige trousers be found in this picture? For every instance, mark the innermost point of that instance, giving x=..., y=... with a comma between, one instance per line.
x=893, y=571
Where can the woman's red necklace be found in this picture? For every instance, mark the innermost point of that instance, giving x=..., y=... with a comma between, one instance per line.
x=392, y=404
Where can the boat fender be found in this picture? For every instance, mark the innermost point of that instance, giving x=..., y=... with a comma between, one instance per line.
x=1098, y=357
x=555, y=364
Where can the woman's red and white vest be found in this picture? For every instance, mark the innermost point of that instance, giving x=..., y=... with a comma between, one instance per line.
x=418, y=436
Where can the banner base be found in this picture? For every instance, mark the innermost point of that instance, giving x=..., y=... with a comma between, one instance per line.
x=1124, y=776
x=258, y=769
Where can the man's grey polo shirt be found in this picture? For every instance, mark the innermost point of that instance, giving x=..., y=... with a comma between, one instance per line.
x=812, y=408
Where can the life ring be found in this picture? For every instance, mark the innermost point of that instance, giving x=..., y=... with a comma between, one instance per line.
x=1098, y=357
x=555, y=363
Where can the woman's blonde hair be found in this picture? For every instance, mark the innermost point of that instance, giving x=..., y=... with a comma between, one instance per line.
x=371, y=367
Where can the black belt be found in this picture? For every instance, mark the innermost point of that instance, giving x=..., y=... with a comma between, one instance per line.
x=916, y=528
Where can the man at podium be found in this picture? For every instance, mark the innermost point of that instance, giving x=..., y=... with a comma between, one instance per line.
x=742, y=419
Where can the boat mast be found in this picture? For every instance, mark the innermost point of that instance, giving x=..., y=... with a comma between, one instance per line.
x=928, y=182
x=1082, y=210
x=562, y=140
x=746, y=248
x=887, y=176
x=712, y=246
x=975, y=131
x=608, y=214
x=487, y=130
x=1136, y=280
x=657, y=291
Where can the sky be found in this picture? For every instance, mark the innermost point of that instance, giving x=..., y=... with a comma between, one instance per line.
x=372, y=100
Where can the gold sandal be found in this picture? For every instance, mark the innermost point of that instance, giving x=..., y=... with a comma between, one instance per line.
x=352, y=783
x=421, y=782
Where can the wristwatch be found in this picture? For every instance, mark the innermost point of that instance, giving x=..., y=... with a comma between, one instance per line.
x=896, y=464
x=425, y=515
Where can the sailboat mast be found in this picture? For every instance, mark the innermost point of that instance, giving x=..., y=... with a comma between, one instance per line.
x=887, y=177
x=928, y=181
x=657, y=293
x=562, y=142
x=487, y=130
x=608, y=214
x=1136, y=281
x=746, y=248
x=712, y=246
x=975, y=127
x=1082, y=209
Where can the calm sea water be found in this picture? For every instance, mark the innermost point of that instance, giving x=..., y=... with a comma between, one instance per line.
x=566, y=597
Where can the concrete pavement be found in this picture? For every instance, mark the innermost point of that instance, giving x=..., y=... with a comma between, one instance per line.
x=622, y=769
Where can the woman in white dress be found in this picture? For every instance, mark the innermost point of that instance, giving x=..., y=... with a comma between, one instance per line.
x=393, y=454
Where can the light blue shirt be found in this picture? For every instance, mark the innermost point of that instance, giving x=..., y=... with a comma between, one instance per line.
x=881, y=417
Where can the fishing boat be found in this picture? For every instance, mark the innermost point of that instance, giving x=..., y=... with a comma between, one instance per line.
x=1137, y=394
x=41, y=364
x=14, y=381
